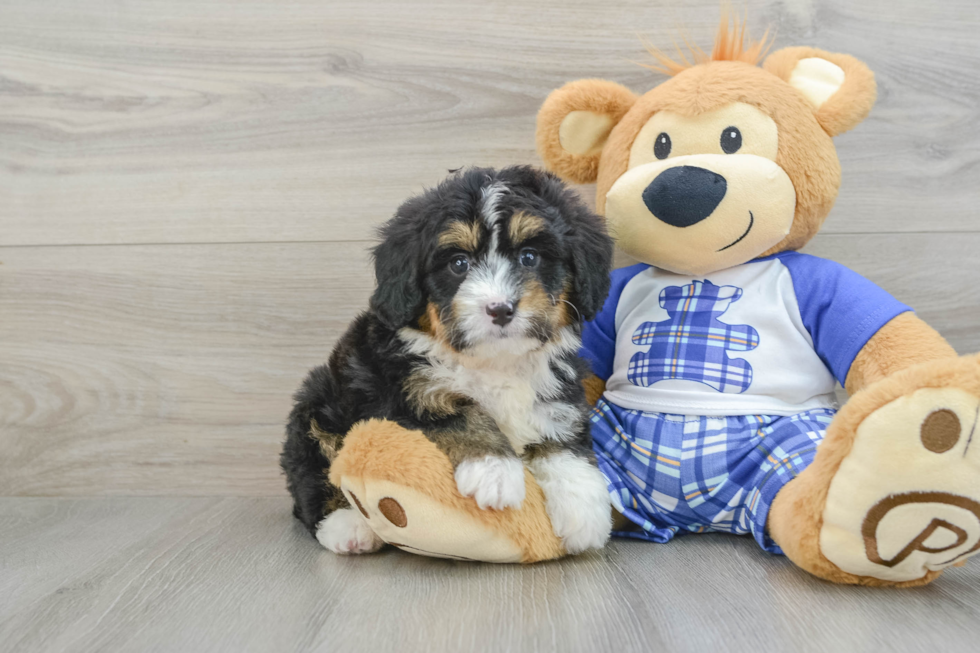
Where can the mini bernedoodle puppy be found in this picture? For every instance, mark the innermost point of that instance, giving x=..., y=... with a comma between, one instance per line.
x=472, y=337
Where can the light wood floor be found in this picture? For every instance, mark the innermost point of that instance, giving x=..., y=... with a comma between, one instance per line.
x=188, y=190
x=238, y=574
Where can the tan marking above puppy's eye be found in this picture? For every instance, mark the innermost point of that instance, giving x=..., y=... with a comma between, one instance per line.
x=461, y=235
x=524, y=226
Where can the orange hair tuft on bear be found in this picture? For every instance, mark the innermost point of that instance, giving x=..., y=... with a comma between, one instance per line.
x=731, y=44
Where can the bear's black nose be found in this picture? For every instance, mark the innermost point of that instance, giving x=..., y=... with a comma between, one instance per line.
x=684, y=195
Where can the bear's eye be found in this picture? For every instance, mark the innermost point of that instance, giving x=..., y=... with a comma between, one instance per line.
x=661, y=146
x=731, y=140
x=459, y=264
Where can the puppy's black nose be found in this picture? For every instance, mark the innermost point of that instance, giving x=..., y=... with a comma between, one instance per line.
x=502, y=313
x=684, y=195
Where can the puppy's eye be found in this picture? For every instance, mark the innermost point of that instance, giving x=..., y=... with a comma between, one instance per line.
x=459, y=264
x=661, y=146
x=529, y=257
x=731, y=140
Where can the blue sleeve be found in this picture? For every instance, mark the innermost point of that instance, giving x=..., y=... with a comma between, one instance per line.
x=840, y=309
x=599, y=335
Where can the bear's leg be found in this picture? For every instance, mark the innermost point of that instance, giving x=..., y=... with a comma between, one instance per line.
x=893, y=495
x=404, y=488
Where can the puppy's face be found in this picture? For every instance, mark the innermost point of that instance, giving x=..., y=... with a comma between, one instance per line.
x=498, y=261
x=501, y=274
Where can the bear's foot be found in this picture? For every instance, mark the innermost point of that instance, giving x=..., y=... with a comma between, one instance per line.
x=415, y=522
x=893, y=496
x=404, y=488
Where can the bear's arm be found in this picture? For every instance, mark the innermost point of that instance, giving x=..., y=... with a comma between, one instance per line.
x=904, y=341
x=599, y=335
x=859, y=330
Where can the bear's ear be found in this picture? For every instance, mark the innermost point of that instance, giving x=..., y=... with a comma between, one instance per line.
x=574, y=123
x=840, y=88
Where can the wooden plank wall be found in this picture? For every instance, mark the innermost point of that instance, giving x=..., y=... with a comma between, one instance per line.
x=188, y=191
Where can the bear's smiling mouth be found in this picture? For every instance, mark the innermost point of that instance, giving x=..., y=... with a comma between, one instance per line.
x=742, y=237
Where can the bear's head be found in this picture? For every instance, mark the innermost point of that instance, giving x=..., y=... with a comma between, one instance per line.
x=722, y=163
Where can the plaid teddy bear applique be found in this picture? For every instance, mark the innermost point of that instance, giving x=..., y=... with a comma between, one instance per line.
x=693, y=344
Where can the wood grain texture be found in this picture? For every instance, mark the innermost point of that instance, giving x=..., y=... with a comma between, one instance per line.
x=224, y=121
x=188, y=189
x=168, y=369
x=239, y=574
x=162, y=369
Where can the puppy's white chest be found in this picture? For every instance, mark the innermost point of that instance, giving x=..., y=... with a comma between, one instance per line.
x=517, y=401
x=518, y=390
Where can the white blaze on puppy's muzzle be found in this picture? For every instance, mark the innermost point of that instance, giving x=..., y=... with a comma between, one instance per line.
x=491, y=282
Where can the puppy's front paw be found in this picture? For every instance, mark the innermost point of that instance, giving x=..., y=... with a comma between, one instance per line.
x=345, y=532
x=494, y=482
x=577, y=500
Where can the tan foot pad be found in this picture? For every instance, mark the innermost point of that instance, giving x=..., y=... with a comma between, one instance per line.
x=906, y=499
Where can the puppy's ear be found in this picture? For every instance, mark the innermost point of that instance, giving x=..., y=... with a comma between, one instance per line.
x=397, y=261
x=591, y=258
x=574, y=123
x=840, y=88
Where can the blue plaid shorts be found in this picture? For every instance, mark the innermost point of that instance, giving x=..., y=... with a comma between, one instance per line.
x=671, y=474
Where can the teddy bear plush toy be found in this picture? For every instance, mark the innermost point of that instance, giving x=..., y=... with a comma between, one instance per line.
x=716, y=356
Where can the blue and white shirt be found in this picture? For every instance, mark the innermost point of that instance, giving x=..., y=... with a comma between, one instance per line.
x=768, y=337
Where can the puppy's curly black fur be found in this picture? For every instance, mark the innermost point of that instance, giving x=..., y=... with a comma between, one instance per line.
x=488, y=266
